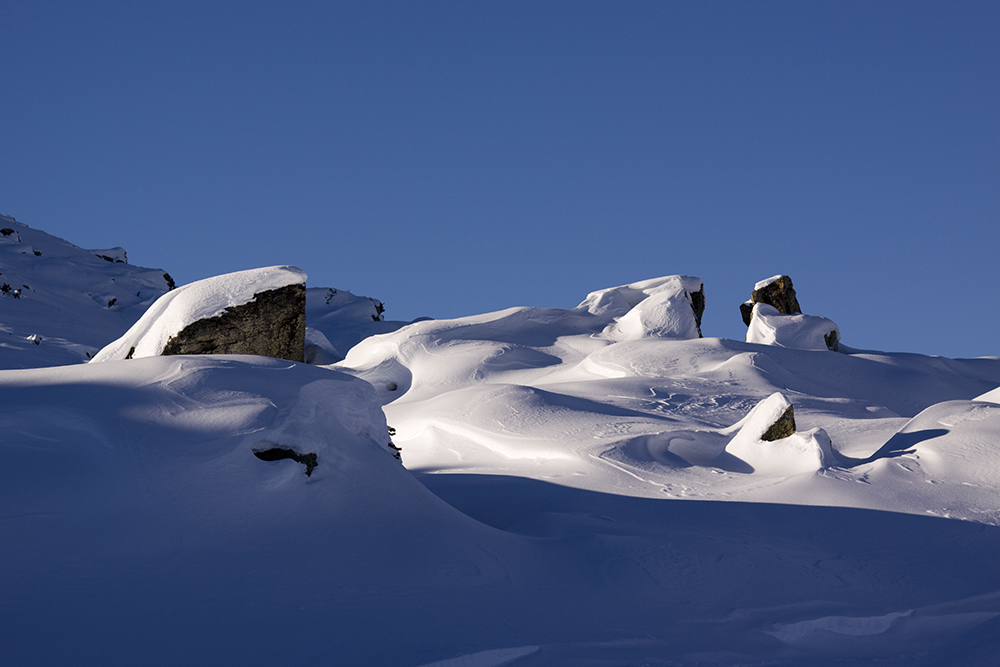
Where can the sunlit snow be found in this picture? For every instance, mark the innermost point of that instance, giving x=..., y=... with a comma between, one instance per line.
x=579, y=486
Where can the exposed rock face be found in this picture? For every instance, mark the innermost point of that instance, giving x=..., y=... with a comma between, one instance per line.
x=281, y=453
x=777, y=292
x=272, y=325
x=698, y=306
x=783, y=427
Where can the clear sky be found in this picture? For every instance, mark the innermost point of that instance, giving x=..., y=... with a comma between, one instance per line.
x=453, y=158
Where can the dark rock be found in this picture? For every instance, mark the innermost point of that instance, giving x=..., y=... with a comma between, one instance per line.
x=778, y=293
x=272, y=325
x=784, y=427
x=832, y=340
x=698, y=306
x=281, y=453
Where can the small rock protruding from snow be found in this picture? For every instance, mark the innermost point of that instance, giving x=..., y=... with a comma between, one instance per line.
x=260, y=311
x=776, y=291
x=768, y=442
x=114, y=255
x=668, y=307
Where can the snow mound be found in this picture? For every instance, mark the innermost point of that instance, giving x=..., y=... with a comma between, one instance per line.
x=798, y=332
x=798, y=453
x=658, y=308
x=342, y=320
x=992, y=396
x=197, y=301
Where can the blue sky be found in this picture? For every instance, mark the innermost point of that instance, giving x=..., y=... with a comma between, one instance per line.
x=452, y=158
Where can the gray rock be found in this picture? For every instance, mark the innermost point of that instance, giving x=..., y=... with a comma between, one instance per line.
x=777, y=292
x=272, y=325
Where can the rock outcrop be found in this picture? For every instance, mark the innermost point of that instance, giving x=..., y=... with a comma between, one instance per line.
x=272, y=325
x=782, y=427
x=776, y=291
x=260, y=312
x=773, y=317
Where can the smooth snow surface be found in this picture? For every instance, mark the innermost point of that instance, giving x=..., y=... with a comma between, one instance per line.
x=799, y=332
x=583, y=486
x=659, y=308
x=188, y=304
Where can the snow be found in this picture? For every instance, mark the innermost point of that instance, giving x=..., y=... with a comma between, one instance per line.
x=800, y=332
x=72, y=301
x=798, y=453
x=660, y=308
x=578, y=486
x=992, y=396
x=767, y=281
x=197, y=301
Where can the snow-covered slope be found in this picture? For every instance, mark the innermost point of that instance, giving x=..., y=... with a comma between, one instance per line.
x=139, y=527
x=60, y=303
x=582, y=486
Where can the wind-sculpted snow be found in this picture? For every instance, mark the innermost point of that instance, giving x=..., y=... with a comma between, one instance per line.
x=586, y=486
x=548, y=393
x=139, y=528
x=800, y=332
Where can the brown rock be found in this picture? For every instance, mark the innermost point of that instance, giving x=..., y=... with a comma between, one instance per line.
x=782, y=428
x=778, y=293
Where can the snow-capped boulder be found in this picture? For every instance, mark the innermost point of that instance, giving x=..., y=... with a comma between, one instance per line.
x=260, y=311
x=776, y=291
x=799, y=332
x=760, y=444
x=668, y=307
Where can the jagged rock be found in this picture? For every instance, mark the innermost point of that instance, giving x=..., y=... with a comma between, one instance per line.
x=281, y=453
x=698, y=306
x=783, y=427
x=272, y=325
x=776, y=291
